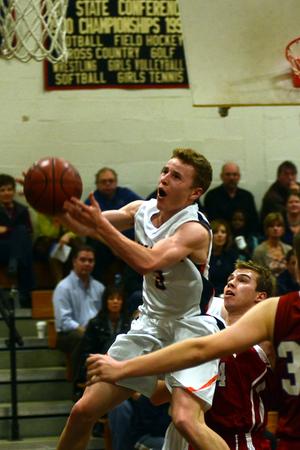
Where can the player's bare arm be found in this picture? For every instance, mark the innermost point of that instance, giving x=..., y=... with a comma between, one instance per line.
x=254, y=327
x=191, y=239
x=83, y=219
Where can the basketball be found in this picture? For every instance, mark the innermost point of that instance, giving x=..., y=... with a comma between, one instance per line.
x=49, y=182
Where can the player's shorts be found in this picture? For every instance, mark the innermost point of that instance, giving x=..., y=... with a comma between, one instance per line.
x=174, y=440
x=147, y=335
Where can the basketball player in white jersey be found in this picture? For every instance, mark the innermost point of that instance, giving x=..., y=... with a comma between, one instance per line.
x=172, y=250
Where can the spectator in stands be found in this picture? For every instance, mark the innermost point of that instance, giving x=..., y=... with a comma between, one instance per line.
x=244, y=239
x=272, y=252
x=16, y=239
x=223, y=256
x=76, y=299
x=222, y=201
x=101, y=331
x=137, y=424
x=292, y=218
x=276, y=196
x=109, y=196
x=48, y=233
x=287, y=281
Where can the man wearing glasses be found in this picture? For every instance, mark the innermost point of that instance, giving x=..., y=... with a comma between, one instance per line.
x=109, y=196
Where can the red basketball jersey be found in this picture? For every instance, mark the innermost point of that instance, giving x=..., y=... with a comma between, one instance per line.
x=287, y=347
x=240, y=405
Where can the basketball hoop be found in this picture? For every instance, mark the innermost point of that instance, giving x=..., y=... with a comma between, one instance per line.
x=33, y=29
x=292, y=53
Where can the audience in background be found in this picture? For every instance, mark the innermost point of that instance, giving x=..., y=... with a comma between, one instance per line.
x=48, y=233
x=16, y=239
x=138, y=424
x=76, y=299
x=275, y=198
x=109, y=196
x=292, y=218
x=101, y=331
x=272, y=252
x=222, y=201
x=223, y=256
x=288, y=281
x=244, y=239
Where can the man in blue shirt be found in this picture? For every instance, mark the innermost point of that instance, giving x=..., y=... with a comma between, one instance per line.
x=76, y=299
x=109, y=196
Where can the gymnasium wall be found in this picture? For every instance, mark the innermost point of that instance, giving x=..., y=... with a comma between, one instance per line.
x=135, y=131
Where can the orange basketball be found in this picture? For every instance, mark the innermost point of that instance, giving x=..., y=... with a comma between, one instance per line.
x=49, y=182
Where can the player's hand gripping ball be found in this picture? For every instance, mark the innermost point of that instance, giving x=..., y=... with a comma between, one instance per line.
x=49, y=182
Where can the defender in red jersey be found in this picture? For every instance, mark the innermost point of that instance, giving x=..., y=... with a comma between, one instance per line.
x=276, y=319
x=242, y=397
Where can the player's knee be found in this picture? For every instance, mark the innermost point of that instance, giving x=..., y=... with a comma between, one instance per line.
x=181, y=420
x=82, y=413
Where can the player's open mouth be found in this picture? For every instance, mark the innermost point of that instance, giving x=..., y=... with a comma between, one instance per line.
x=228, y=292
x=161, y=192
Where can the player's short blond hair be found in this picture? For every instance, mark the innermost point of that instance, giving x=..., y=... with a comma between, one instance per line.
x=265, y=280
x=203, y=169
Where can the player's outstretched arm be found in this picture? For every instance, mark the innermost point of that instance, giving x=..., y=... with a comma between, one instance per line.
x=189, y=239
x=86, y=220
x=254, y=327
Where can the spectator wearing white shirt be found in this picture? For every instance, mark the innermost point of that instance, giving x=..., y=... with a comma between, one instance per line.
x=76, y=299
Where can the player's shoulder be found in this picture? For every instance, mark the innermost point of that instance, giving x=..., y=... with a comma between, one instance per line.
x=133, y=206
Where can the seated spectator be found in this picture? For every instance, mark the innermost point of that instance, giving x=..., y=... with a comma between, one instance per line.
x=292, y=218
x=76, y=299
x=272, y=252
x=102, y=330
x=245, y=241
x=287, y=281
x=138, y=424
x=222, y=201
x=109, y=196
x=275, y=198
x=48, y=233
x=223, y=256
x=16, y=239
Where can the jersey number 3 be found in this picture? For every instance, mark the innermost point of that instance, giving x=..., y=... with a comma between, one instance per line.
x=291, y=350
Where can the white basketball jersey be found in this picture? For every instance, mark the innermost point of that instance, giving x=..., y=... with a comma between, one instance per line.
x=174, y=291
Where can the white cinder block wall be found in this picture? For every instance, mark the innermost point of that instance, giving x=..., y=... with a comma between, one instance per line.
x=135, y=131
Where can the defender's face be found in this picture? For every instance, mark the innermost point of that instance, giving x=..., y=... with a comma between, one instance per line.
x=175, y=188
x=240, y=292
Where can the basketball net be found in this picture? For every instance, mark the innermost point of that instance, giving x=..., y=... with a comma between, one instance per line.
x=33, y=29
x=292, y=53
